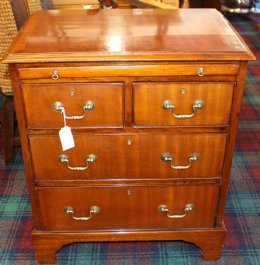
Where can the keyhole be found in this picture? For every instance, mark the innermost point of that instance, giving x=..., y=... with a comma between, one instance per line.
x=72, y=91
x=183, y=91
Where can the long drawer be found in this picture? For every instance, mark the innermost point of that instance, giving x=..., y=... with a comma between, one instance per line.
x=175, y=69
x=85, y=105
x=178, y=104
x=144, y=207
x=130, y=156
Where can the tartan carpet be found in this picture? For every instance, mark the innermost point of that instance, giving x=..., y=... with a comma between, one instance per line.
x=242, y=245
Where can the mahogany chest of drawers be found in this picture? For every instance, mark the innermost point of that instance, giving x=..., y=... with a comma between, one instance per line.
x=152, y=97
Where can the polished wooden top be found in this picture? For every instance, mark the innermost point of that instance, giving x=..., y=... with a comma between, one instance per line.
x=127, y=34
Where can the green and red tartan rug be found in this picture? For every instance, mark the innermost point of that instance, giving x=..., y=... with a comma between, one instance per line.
x=242, y=218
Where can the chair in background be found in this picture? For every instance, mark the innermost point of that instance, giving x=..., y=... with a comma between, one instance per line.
x=8, y=30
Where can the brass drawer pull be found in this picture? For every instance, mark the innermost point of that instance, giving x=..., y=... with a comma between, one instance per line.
x=197, y=105
x=92, y=210
x=166, y=157
x=55, y=75
x=91, y=158
x=165, y=209
x=88, y=106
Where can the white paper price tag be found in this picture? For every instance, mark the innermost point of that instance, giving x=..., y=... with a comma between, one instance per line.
x=66, y=138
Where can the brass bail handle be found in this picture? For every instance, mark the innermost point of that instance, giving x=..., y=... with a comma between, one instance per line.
x=88, y=106
x=91, y=158
x=165, y=209
x=167, y=158
x=197, y=105
x=92, y=210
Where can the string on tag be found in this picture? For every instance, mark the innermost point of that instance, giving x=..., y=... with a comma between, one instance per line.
x=64, y=116
x=66, y=136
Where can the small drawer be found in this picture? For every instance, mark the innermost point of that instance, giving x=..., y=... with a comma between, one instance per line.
x=130, y=156
x=85, y=105
x=142, y=207
x=179, y=104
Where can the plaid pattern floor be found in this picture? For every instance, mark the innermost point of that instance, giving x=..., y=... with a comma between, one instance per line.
x=242, y=246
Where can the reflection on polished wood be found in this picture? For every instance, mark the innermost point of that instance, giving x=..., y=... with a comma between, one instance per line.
x=131, y=34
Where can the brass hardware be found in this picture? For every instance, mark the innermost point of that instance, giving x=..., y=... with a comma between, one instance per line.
x=88, y=106
x=92, y=210
x=183, y=91
x=129, y=192
x=201, y=72
x=197, y=105
x=72, y=91
x=129, y=142
x=167, y=104
x=91, y=158
x=55, y=75
x=165, y=209
x=58, y=106
x=166, y=157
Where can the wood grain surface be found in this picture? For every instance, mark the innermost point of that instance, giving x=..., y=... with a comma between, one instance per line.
x=127, y=34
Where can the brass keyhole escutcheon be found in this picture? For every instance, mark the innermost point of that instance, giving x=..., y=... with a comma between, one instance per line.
x=72, y=91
